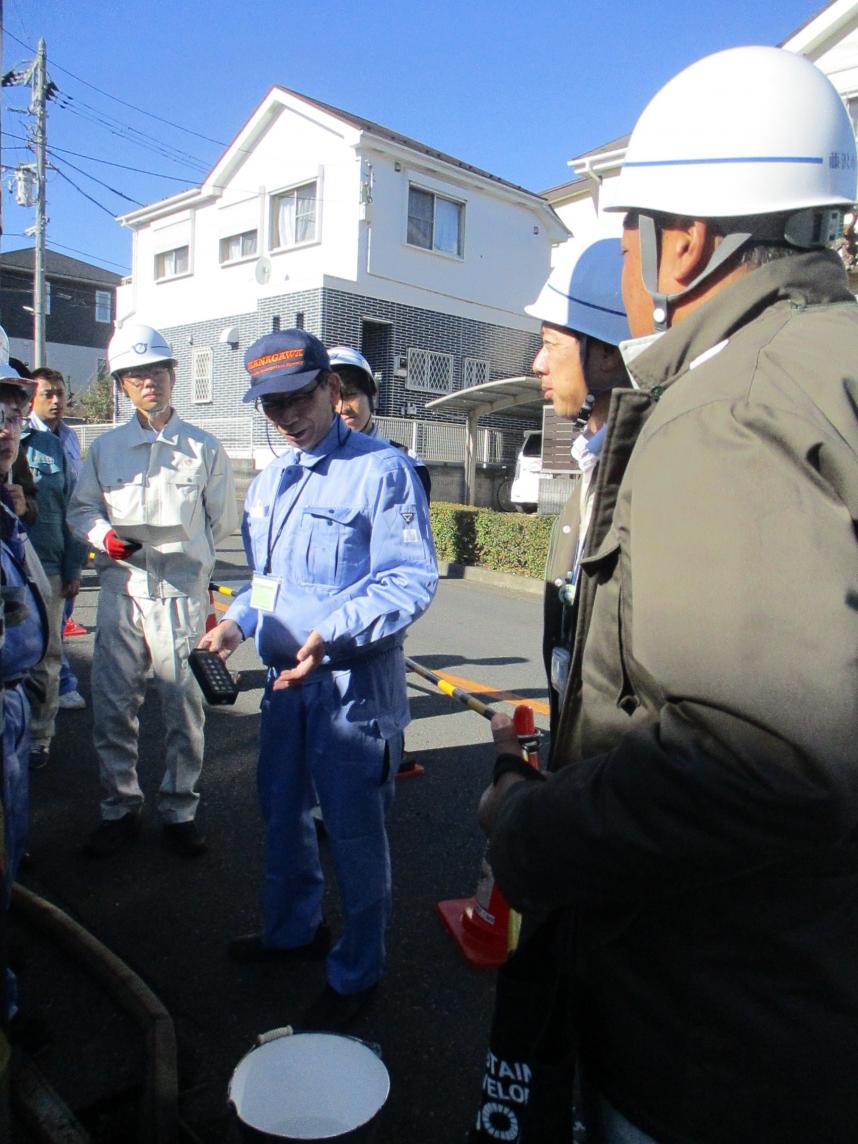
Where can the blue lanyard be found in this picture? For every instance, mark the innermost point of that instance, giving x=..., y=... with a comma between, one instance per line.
x=304, y=476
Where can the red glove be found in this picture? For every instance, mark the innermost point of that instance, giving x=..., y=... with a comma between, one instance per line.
x=117, y=548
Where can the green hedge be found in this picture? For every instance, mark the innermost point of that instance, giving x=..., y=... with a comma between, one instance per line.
x=503, y=541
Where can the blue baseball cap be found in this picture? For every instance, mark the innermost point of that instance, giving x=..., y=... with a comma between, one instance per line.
x=284, y=362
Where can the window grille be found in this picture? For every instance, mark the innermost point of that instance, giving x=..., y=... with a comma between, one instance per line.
x=476, y=372
x=429, y=371
x=294, y=216
x=171, y=263
x=237, y=246
x=202, y=372
x=102, y=305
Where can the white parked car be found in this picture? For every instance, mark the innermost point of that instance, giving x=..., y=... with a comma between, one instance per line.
x=524, y=493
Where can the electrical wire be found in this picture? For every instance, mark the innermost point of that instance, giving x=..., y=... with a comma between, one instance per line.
x=132, y=135
x=125, y=103
x=105, y=162
x=100, y=182
x=97, y=257
x=80, y=191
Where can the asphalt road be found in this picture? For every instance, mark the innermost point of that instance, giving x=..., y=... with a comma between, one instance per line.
x=170, y=918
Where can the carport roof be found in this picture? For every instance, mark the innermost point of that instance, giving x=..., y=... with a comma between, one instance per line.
x=511, y=395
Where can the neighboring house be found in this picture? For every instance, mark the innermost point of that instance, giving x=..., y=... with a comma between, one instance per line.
x=80, y=307
x=318, y=218
x=829, y=38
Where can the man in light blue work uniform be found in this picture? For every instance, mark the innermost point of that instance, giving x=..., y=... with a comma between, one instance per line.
x=337, y=534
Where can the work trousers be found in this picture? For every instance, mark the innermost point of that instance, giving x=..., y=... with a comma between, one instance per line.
x=46, y=675
x=132, y=637
x=313, y=741
x=16, y=805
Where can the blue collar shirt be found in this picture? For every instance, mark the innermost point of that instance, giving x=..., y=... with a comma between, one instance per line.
x=344, y=528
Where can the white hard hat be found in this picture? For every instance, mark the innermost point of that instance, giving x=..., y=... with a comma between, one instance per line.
x=748, y=131
x=345, y=355
x=136, y=345
x=583, y=293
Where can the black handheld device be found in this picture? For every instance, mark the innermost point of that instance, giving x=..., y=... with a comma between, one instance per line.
x=210, y=672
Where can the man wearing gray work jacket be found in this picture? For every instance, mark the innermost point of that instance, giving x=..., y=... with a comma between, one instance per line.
x=702, y=827
x=154, y=498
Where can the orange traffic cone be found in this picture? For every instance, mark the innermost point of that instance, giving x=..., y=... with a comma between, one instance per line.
x=211, y=618
x=73, y=629
x=484, y=927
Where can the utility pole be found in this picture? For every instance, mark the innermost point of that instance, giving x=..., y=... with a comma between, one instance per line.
x=34, y=175
x=1, y=131
x=40, y=110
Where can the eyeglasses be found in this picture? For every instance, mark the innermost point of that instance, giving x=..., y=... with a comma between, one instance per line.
x=136, y=377
x=275, y=407
x=10, y=421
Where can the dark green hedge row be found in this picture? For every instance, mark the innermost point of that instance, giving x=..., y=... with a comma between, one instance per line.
x=503, y=541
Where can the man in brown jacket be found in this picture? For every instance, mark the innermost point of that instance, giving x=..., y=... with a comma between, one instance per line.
x=704, y=826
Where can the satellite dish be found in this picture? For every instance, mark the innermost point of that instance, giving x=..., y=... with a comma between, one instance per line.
x=262, y=270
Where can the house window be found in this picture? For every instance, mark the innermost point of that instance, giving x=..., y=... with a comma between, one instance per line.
x=294, y=216
x=172, y=263
x=435, y=223
x=202, y=373
x=102, y=305
x=475, y=372
x=237, y=246
x=430, y=371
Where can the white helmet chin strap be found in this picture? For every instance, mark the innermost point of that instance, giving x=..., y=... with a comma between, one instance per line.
x=649, y=267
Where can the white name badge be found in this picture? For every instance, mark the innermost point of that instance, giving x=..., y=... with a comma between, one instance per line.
x=263, y=592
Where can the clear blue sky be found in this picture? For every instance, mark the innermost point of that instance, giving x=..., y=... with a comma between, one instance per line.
x=515, y=88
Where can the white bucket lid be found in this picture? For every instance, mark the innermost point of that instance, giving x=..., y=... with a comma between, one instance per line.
x=309, y=1086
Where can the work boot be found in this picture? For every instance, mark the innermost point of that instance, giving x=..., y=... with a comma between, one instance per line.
x=252, y=948
x=39, y=755
x=111, y=835
x=184, y=838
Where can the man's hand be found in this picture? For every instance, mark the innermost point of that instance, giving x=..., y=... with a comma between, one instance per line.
x=117, y=548
x=309, y=657
x=16, y=496
x=506, y=742
x=223, y=639
x=70, y=589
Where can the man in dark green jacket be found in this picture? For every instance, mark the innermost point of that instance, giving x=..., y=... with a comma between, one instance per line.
x=704, y=827
x=62, y=556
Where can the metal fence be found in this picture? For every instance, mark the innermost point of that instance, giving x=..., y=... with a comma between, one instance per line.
x=444, y=441
x=431, y=440
x=234, y=433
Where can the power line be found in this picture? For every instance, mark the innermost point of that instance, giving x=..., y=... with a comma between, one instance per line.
x=80, y=191
x=96, y=111
x=106, y=186
x=106, y=162
x=169, y=123
x=73, y=249
x=130, y=134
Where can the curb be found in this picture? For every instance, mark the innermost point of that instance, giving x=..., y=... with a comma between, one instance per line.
x=507, y=580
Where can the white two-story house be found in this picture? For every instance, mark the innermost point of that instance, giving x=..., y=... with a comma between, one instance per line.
x=315, y=217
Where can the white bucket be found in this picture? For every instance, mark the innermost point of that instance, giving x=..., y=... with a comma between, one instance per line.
x=308, y=1086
